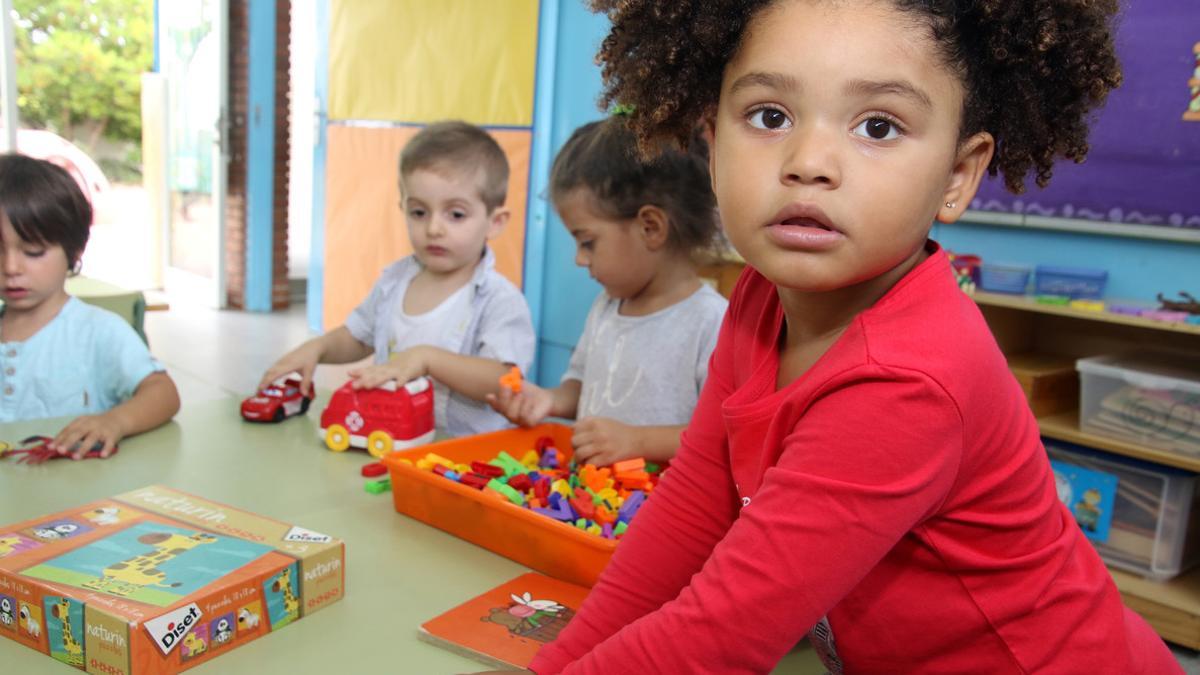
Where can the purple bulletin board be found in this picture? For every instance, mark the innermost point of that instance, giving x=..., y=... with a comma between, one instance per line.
x=1144, y=164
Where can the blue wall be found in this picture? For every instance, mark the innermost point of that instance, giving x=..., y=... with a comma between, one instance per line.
x=1137, y=268
x=260, y=157
x=568, y=86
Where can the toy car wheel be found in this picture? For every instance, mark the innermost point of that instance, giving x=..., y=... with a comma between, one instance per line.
x=337, y=438
x=278, y=416
x=379, y=443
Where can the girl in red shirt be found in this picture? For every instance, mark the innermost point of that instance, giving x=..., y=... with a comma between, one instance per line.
x=861, y=467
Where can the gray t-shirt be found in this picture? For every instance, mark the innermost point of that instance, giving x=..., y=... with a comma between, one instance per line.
x=646, y=370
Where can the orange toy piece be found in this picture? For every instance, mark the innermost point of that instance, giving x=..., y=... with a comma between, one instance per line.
x=605, y=515
x=628, y=466
x=634, y=480
x=512, y=380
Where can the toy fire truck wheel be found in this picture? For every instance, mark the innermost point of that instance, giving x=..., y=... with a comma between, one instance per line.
x=304, y=403
x=379, y=443
x=337, y=438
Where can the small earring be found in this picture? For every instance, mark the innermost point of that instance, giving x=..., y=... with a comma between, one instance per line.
x=950, y=205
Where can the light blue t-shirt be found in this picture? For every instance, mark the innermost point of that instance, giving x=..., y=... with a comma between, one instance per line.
x=85, y=361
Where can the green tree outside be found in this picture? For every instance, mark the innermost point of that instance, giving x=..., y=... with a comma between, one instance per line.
x=79, y=66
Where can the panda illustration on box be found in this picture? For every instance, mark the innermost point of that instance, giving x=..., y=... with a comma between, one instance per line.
x=222, y=631
x=8, y=613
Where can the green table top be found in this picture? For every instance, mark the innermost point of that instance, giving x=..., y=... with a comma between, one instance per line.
x=399, y=571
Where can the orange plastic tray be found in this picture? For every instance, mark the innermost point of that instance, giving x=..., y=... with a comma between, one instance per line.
x=538, y=541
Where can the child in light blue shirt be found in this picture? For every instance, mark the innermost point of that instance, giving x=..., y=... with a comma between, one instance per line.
x=59, y=356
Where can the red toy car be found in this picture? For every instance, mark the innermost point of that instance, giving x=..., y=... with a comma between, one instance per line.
x=273, y=403
x=381, y=420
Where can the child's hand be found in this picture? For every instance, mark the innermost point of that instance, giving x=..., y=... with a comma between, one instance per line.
x=403, y=367
x=527, y=408
x=303, y=360
x=85, y=433
x=602, y=441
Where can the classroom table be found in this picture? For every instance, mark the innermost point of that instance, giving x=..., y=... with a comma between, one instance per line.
x=399, y=571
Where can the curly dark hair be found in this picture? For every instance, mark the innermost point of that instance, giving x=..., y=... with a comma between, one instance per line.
x=603, y=158
x=1032, y=69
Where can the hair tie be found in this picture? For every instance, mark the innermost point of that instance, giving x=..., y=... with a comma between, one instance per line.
x=623, y=110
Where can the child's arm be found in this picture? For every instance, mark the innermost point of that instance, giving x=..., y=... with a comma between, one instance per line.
x=533, y=403
x=336, y=346
x=602, y=441
x=838, y=499
x=472, y=376
x=154, y=402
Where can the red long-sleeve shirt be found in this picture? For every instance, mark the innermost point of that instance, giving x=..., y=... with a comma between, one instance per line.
x=899, y=488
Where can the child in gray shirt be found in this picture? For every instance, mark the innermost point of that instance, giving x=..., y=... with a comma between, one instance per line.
x=637, y=370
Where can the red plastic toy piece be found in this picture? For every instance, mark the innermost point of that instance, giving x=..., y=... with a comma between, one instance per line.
x=373, y=469
x=474, y=480
x=584, y=506
x=520, y=482
x=34, y=450
x=485, y=469
x=541, y=489
x=277, y=401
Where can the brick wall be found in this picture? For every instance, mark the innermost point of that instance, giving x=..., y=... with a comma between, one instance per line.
x=235, y=205
x=280, y=290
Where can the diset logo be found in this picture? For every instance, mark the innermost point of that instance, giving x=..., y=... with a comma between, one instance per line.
x=306, y=536
x=168, y=630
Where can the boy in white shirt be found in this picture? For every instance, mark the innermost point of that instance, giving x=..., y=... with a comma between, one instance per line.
x=443, y=311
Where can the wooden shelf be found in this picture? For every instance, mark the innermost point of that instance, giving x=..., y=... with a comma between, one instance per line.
x=1171, y=607
x=1022, y=326
x=1028, y=304
x=1065, y=427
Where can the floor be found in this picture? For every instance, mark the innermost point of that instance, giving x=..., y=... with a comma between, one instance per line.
x=213, y=354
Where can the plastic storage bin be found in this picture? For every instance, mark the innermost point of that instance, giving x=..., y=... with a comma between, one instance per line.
x=1150, y=398
x=1151, y=532
x=532, y=539
x=1073, y=282
x=1003, y=278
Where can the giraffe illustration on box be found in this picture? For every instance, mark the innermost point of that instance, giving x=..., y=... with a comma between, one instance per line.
x=143, y=571
x=291, y=604
x=71, y=647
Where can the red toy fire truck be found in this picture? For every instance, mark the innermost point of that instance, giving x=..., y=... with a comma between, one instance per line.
x=387, y=418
